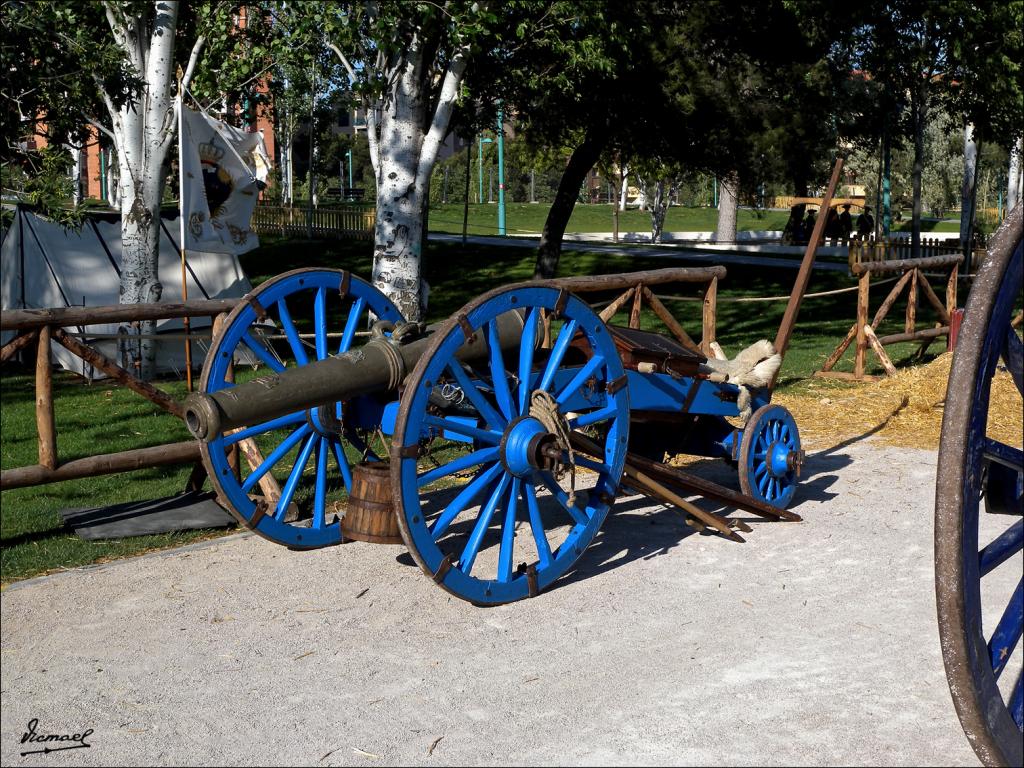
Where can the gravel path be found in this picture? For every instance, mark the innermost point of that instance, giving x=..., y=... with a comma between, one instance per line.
x=812, y=643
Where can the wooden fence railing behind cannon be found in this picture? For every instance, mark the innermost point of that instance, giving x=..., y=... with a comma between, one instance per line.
x=871, y=250
x=40, y=327
x=43, y=326
x=635, y=288
x=914, y=282
x=342, y=221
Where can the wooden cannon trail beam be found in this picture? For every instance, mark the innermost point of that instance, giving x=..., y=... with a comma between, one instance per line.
x=658, y=479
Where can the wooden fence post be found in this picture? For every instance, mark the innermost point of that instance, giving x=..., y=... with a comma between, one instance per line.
x=710, y=312
x=862, y=319
x=951, y=289
x=634, y=315
x=44, y=402
x=911, y=320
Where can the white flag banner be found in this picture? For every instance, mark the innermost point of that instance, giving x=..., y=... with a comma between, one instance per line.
x=223, y=171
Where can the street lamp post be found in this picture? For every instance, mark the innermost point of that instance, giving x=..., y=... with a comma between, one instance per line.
x=349, y=156
x=501, y=174
x=479, y=166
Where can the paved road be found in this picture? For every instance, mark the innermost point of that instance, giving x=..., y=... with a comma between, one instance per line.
x=812, y=643
x=750, y=255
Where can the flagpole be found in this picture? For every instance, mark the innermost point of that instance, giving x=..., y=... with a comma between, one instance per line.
x=181, y=235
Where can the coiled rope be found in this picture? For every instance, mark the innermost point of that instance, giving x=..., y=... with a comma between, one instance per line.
x=545, y=410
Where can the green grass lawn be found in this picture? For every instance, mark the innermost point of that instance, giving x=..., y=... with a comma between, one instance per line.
x=100, y=418
x=526, y=218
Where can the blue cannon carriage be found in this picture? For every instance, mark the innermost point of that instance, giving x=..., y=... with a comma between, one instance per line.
x=493, y=445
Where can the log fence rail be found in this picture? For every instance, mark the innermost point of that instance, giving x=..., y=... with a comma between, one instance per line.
x=43, y=326
x=914, y=281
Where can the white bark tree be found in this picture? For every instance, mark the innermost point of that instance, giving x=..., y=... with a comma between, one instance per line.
x=664, y=191
x=407, y=61
x=967, y=186
x=1014, y=179
x=728, y=207
x=624, y=191
x=143, y=129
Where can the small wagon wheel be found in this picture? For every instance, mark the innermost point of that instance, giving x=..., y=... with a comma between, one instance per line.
x=770, y=456
x=979, y=624
x=512, y=527
x=301, y=308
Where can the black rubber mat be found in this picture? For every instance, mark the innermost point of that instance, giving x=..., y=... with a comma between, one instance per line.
x=185, y=512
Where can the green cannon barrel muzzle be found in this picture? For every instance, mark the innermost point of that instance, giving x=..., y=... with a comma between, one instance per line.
x=378, y=366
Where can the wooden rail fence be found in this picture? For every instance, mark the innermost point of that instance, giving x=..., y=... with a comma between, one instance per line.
x=873, y=250
x=351, y=221
x=41, y=326
x=913, y=280
x=637, y=291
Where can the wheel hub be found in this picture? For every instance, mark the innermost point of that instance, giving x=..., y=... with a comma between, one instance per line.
x=528, y=446
x=324, y=421
x=782, y=460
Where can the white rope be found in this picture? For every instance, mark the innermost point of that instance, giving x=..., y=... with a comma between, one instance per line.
x=748, y=299
x=545, y=410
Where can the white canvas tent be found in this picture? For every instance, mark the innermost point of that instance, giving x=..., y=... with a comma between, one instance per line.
x=43, y=265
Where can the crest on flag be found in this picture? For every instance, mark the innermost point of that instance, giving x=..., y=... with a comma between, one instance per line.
x=223, y=170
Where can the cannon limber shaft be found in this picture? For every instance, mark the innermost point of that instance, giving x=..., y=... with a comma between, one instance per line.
x=378, y=366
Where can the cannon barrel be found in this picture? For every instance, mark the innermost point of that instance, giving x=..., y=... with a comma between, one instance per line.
x=378, y=366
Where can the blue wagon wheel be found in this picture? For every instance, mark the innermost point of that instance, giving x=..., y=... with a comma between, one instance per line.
x=485, y=501
x=770, y=456
x=978, y=555
x=297, y=461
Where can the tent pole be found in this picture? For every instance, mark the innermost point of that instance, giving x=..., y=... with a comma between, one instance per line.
x=181, y=241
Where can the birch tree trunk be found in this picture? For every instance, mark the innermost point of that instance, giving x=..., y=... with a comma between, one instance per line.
x=658, y=210
x=1013, y=184
x=624, y=192
x=76, y=176
x=967, y=187
x=728, y=207
x=405, y=132
x=143, y=130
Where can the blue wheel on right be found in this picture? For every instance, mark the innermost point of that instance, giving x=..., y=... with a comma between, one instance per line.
x=978, y=546
x=770, y=456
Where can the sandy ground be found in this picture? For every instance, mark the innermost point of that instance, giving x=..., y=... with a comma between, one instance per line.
x=812, y=643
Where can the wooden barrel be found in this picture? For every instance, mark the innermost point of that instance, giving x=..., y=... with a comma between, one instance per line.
x=371, y=512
